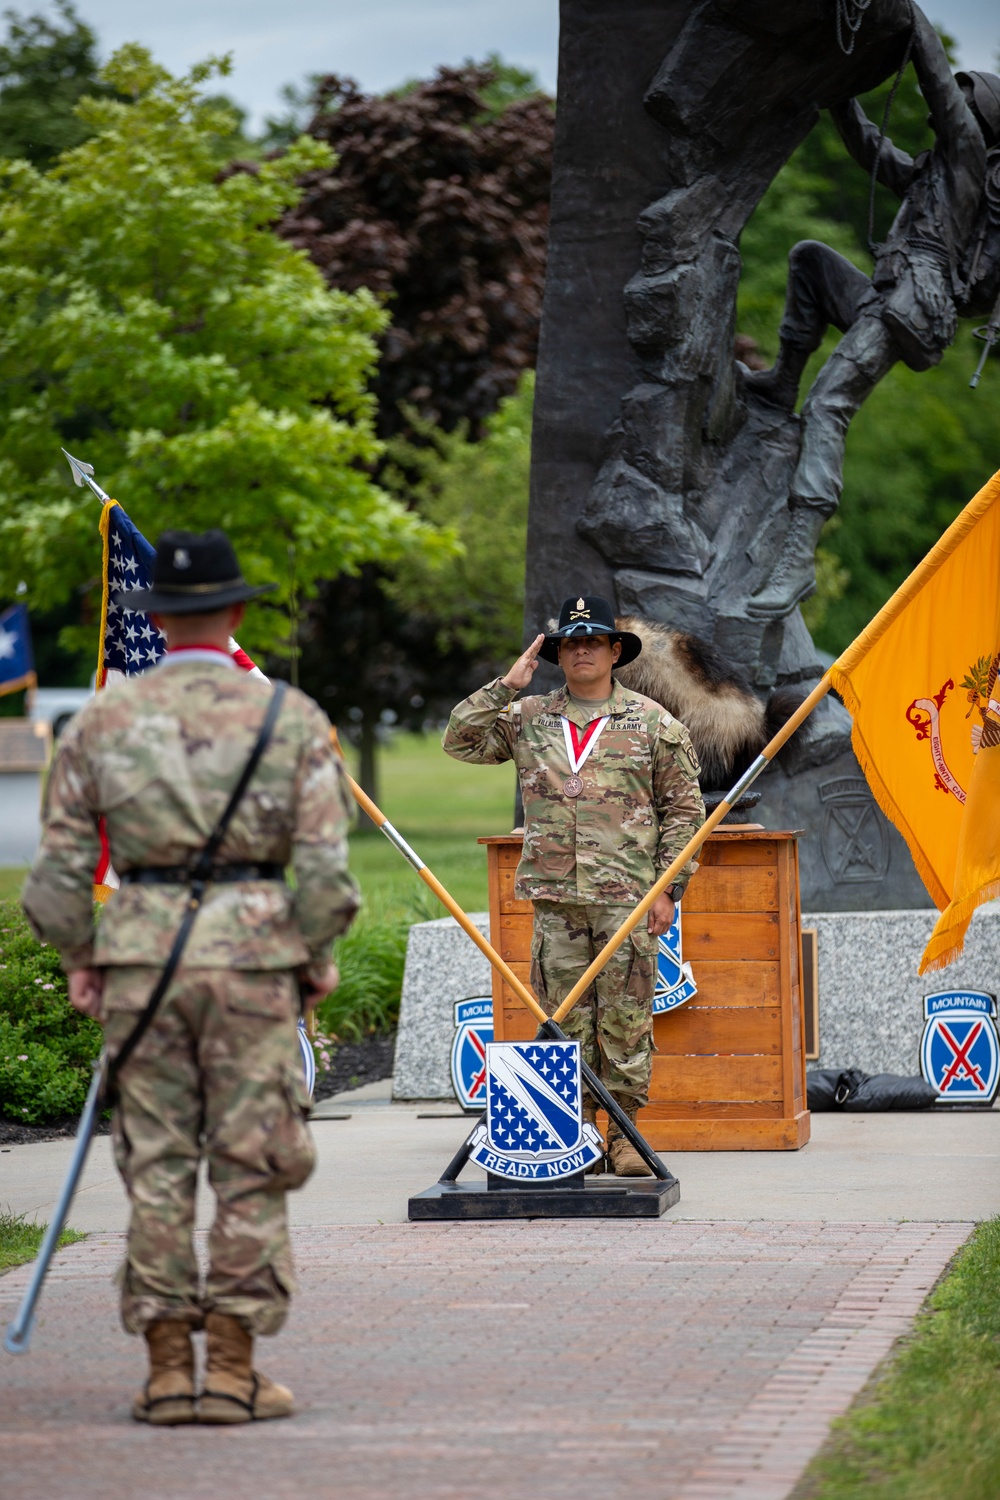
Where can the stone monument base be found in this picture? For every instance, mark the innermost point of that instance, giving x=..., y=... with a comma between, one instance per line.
x=870, y=996
x=851, y=858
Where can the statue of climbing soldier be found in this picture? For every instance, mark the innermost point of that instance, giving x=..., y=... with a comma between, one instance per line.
x=923, y=280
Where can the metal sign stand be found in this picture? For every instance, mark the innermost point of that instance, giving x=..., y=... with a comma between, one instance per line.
x=550, y=1181
x=576, y=1197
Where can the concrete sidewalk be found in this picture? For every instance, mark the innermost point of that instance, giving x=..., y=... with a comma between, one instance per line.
x=525, y=1361
x=872, y=1167
x=698, y=1357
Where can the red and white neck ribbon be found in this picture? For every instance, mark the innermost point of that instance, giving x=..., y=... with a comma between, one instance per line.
x=580, y=742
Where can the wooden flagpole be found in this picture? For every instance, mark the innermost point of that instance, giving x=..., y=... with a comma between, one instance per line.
x=380, y=820
x=525, y=996
x=693, y=845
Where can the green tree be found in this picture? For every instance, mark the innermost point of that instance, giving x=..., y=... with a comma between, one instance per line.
x=46, y=66
x=479, y=491
x=151, y=321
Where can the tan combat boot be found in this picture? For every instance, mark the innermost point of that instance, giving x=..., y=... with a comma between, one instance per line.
x=234, y=1391
x=623, y=1159
x=589, y=1111
x=167, y=1399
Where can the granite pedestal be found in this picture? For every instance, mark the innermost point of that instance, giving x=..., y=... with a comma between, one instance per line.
x=20, y=816
x=442, y=966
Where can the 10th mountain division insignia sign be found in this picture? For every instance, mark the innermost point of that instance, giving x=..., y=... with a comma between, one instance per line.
x=534, y=1127
x=473, y=1030
x=959, y=1050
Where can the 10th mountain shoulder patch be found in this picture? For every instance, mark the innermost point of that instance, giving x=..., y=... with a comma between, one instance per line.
x=534, y=1126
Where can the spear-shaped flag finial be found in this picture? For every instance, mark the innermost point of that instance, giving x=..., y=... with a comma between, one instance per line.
x=84, y=474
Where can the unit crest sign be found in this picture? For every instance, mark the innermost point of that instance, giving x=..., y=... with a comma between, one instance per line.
x=674, y=979
x=534, y=1126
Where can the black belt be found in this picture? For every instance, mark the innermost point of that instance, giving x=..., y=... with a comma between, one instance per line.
x=218, y=874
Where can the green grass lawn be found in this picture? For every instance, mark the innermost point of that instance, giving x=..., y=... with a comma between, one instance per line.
x=11, y=881
x=440, y=806
x=20, y=1241
x=928, y=1427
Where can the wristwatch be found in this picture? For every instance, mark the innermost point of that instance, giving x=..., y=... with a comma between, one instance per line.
x=674, y=892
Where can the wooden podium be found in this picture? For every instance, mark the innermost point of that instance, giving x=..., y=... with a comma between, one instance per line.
x=729, y=1066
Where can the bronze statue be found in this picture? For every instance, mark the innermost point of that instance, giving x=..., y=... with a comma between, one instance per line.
x=907, y=310
x=662, y=471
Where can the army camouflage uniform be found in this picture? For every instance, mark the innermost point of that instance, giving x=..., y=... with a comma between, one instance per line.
x=218, y=1076
x=587, y=860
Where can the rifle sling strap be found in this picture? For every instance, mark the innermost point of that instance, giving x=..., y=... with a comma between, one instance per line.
x=200, y=877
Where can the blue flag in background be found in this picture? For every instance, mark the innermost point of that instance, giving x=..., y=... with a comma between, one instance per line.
x=17, y=664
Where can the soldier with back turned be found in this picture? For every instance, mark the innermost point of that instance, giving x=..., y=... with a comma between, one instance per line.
x=218, y=1076
x=610, y=787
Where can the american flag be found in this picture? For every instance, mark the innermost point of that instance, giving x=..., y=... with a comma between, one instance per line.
x=130, y=642
x=533, y=1104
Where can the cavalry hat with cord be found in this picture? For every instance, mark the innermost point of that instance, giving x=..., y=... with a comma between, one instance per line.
x=193, y=573
x=589, y=615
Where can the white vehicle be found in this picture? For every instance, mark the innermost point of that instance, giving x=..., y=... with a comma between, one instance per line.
x=56, y=706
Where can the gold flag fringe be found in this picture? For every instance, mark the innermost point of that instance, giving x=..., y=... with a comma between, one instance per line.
x=948, y=943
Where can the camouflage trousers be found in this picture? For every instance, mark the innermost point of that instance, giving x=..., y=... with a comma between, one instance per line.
x=613, y=1021
x=217, y=1078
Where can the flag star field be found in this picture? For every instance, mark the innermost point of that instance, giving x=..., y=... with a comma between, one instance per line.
x=132, y=642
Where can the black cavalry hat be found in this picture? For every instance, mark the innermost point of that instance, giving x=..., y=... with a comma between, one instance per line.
x=589, y=615
x=192, y=575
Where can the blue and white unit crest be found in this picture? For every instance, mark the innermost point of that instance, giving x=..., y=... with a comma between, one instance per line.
x=674, y=979
x=473, y=1031
x=534, y=1126
x=960, y=1050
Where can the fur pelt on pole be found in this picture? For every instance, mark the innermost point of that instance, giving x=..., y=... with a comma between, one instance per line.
x=727, y=722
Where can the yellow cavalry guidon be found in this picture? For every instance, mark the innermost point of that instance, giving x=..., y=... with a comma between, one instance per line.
x=922, y=689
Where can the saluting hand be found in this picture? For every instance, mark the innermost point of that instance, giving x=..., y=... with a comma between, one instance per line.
x=523, y=670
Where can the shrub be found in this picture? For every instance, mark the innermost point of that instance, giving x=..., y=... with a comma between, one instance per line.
x=370, y=957
x=46, y=1048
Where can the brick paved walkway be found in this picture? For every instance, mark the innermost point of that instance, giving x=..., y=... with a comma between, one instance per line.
x=531, y=1361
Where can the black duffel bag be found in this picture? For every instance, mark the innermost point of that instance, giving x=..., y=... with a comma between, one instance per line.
x=852, y=1090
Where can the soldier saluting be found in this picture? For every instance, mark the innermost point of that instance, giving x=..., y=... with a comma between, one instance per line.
x=218, y=1074
x=610, y=788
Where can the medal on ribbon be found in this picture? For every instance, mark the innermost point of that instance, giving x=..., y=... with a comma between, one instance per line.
x=579, y=744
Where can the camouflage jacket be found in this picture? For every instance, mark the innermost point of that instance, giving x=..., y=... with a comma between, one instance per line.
x=639, y=805
x=157, y=756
